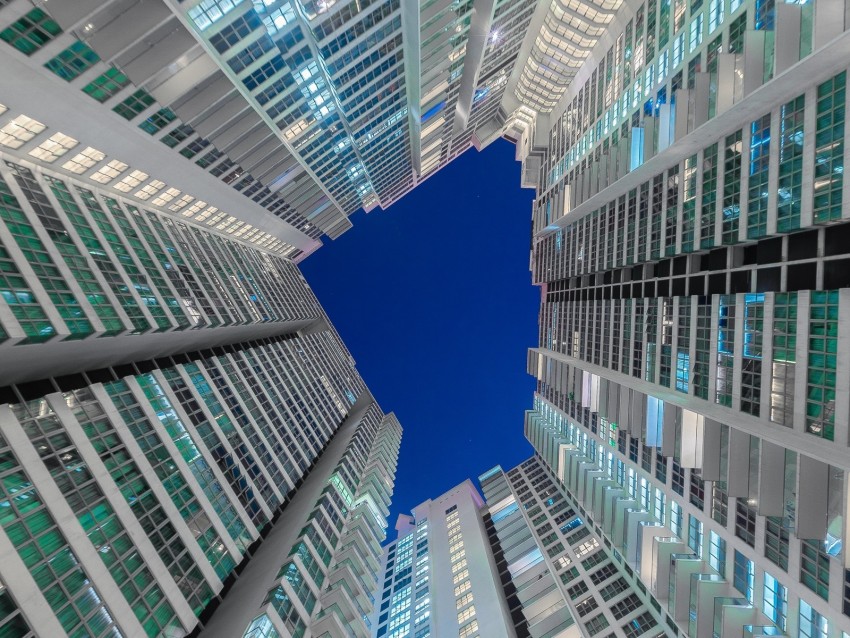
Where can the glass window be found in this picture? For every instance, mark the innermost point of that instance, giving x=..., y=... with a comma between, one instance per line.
x=717, y=553
x=73, y=61
x=812, y=624
x=31, y=32
x=744, y=575
x=775, y=601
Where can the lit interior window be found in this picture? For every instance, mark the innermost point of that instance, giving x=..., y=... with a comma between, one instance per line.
x=206, y=214
x=293, y=131
x=84, y=160
x=19, y=131
x=149, y=190
x=225, y=222
x=163, y=198
x=109, y=171
x=129, y=182
x=194, y=208
x=181, y=203
x=215, y=219
x=54, y=147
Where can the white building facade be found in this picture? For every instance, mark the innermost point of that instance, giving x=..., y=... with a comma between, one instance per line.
x=439, y=576
x=690, y=240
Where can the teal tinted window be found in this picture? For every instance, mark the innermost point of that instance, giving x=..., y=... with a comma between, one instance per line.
x=73, y=61
x=31, y=32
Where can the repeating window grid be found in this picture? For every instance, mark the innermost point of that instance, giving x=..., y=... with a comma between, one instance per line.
x=676, y=518
x=31, y=32
x=210, y=287
x=97, y=517
x=823, y=354
x=465, y=614
x=45, y=552
x=22, y=302
x=732, y=152
x=814, y=567
x=791, y=138
x=73, y=258
x=689, y=203
x=697, y=490
x=146, y=259
x=759, y=161
x=134, y=104
x=811, y=623
x=99, y=255
x=775, y=602
x=279, y=402
x=752, y=353
x=172, y=479
x=234, y=389
x=695, y=535
x=106, y=85
x=467, y=631
x=639, y=626
x=464, y=600
x=596, y=624
x=220, y=271
x=182, y=276
x=142, y=501
x=460, y=576
x=745, y=522
x=702, y=350
x=53, y=147
x=73, y=61
x=717, y=553
x=84, y=160
x=243, y=486
x=724, y=386
x=829, y=149
x=776, y=541
x=744, y=575
x=784, y=358
x=626, y=606
x=301, y=366
x=709, y=192
x=162, y=405
x=586, y=606
x=12, y=621
x=50, y=277
x=258, y=377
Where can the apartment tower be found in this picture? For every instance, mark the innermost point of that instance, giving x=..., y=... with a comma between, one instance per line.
x=690, y=240
x=455, y=570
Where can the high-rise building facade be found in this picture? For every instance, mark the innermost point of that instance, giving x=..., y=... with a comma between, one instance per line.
x=574, y=575
x=182, y=429
x=690, y=239
x=275, y=120
x=459, y=568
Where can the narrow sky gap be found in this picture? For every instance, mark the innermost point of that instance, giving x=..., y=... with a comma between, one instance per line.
x=433, y=298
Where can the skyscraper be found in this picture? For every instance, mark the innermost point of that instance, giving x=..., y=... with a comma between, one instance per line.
x=460, y=567
x=181, y=426
x=273, y=119
x=690, y=239
x=568, y=580
x=169, y=383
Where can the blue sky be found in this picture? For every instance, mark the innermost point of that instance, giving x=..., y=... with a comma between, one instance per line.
x=433, y=298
